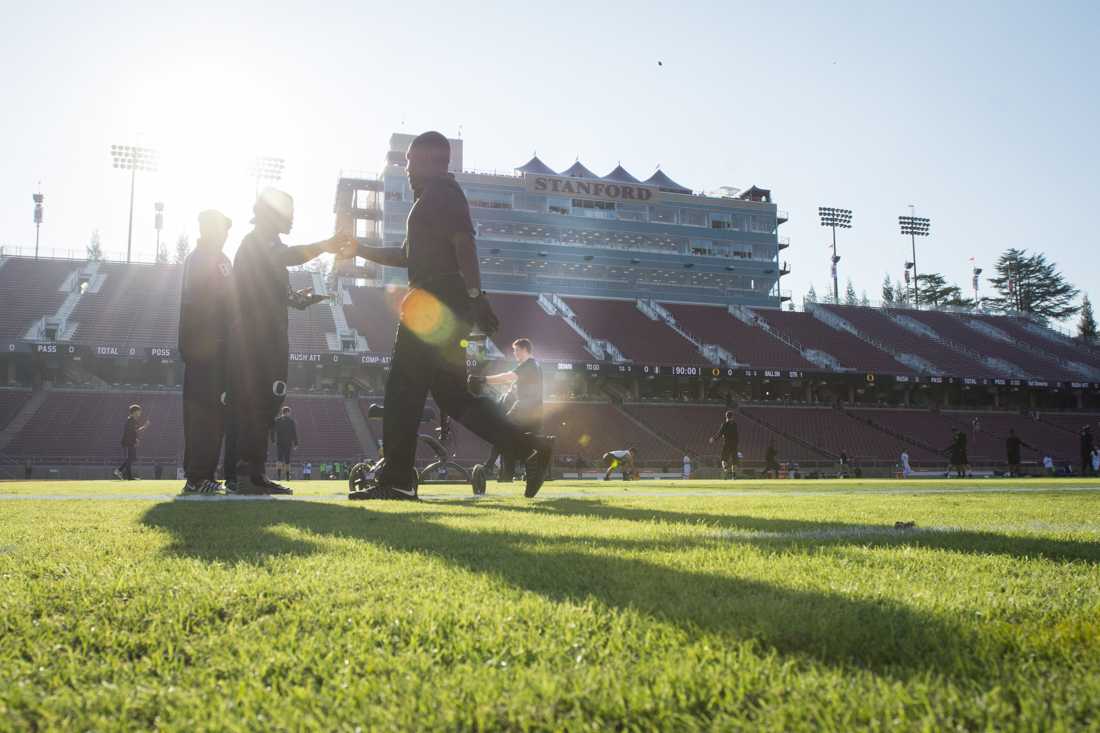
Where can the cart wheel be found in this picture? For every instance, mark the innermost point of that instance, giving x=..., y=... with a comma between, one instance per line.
x=477, y=479
x=361, y=477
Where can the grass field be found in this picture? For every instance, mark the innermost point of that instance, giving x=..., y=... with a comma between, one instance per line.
x=678, y=606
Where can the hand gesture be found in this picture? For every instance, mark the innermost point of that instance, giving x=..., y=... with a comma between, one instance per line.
x=343, y=245
x=304, y=298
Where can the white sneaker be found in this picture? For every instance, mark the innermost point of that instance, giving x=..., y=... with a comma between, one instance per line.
x=118, y=474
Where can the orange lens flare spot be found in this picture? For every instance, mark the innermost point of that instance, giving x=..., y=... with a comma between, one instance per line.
x=427, y=317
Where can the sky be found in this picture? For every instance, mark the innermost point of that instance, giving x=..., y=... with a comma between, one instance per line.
x=982, y=116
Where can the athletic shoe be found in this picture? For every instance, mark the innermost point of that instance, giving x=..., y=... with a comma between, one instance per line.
x=190, y=488
x=251, y=487
x=202, y=487
x=538, y=464
x=231, y=486
x=383, y=492
x=276, y=489
x=118, y=474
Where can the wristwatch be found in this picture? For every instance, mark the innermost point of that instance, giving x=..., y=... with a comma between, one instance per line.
x=473, y=292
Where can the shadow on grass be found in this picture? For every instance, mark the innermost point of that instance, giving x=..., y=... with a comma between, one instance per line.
x=878, y=634
x=789, y=532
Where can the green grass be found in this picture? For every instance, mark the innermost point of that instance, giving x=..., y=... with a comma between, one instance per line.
x=777, y=605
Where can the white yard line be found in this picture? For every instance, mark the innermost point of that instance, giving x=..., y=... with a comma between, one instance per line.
x=595, y=493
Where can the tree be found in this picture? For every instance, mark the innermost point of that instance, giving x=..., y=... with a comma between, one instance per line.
x=1086, y=327
x=850, y=294
x=1029, y=284
x=95, y=247
x=888, y=291
x=183, y=247
x=162, y=253
x=811, y=295
x=864, y=300
x=934, y=290
x=902, y=294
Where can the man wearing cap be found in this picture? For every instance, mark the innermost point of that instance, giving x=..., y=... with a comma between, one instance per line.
x=203, y=337
x=259, y=346
x=444, y=302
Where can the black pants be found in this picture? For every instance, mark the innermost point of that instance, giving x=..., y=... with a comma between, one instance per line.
x=203, y=419
x=129, y=457
x=258, y=389
x=436, y=362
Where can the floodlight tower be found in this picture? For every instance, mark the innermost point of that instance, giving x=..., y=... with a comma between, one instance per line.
x=134, y=158
x=833, y=218
x=914, y=226
x=266, y=168
x=38, y=211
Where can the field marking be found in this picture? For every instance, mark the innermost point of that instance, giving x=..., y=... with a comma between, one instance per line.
x=596, y=493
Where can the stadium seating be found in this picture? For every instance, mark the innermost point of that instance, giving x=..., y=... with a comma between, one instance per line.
x=136, y=306
x=1057, y=348
x=851, y=352
x=324, y=431
x=689, y=426
x=952, y=327
x=873, y=323
x=591, y=429
x=307, y=328
x=639, y=338
x=11, y=402
x=521, y=316
x=29, y=291
x=373, y=313
x=834, y=432
x=749, y=345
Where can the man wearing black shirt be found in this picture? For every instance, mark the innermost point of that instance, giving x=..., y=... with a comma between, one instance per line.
x=1012, y=448
x=203, y=337
x=259, y=347
x=526, y=396
x=130, y=433
x=285, y=437
x=444, y=302
x=728, y=433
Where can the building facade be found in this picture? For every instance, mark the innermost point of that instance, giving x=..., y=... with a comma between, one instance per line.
x=576, y=233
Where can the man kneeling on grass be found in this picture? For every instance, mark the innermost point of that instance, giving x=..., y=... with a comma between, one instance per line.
x=621, y=459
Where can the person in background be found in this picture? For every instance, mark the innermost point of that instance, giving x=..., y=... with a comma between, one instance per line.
x=158, y=470
x=728, y=433
x=28, y=469
x=307, y=471
x=285, y=436
x=906, y=471
x=1012, y=452
x=1087, y=445
x=845, y=464
x=620, y=459
x=130, y=437
x=1048, y=465
x=771, y=460
x=523, y=400
x=687, y=467
x=1095, y=461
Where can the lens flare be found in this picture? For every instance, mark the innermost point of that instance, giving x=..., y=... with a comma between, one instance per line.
x=427, y=317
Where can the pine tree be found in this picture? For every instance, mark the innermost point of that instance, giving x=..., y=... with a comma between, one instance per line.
x=1086, y=327
x=864, y=300
x=850, y=297
x=902, y=292
x=888, y=290
x=183, y=248
x=811, y=295
x=1029, y=284
x=95, y=247
x=162, y=253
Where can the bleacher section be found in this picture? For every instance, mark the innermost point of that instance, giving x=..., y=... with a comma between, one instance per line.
x=136, y=306
x=639, y=338
x=592, y=429
x=689, y=427
x=882, y=329
x=851, y=352
x=1057, y=348
x=11, y=402
x=951, y=327
x=29, y=291
x=749, y=345
x=307, y=328
x=373, y=313
x=521, y=316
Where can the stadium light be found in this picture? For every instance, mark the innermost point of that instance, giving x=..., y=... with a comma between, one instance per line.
x=158, y=221
x=833, y=218
x=914, y=226
x=38, y=211
x=134, y=158
x=266, y=168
